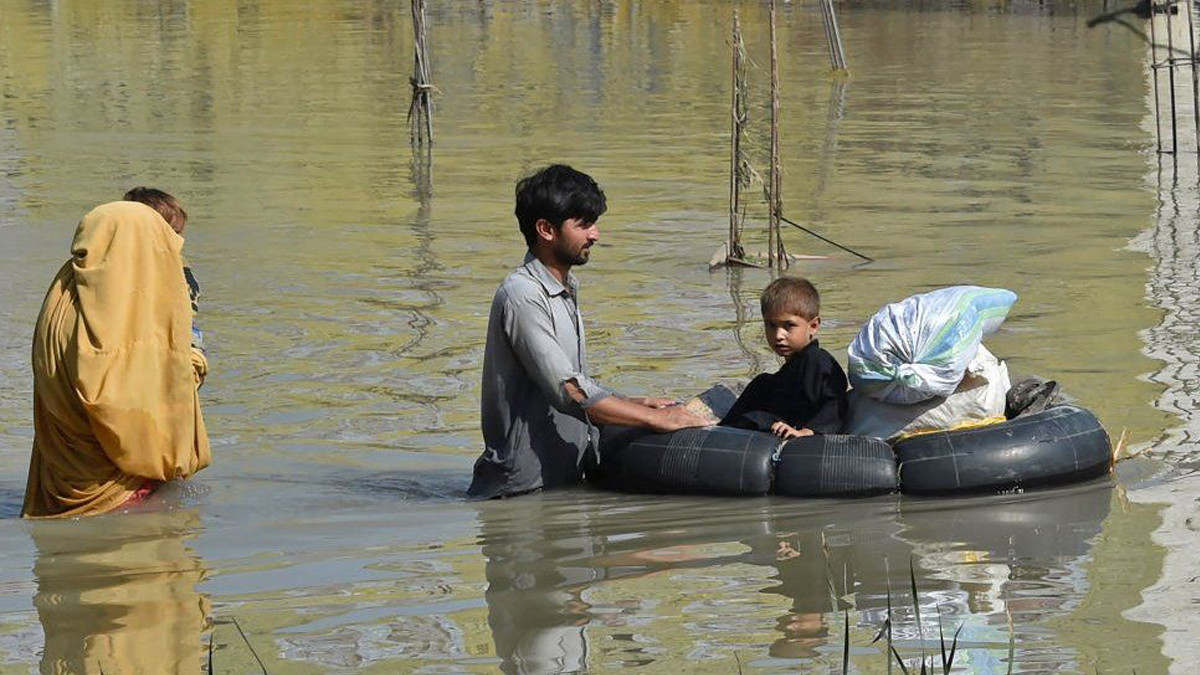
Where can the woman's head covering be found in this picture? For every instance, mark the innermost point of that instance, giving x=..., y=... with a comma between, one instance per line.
x=115, y=389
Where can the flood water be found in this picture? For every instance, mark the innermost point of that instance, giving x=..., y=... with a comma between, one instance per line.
x=345, y=303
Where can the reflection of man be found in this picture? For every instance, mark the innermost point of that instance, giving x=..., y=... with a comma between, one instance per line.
x=539, y=405
x=536, y=579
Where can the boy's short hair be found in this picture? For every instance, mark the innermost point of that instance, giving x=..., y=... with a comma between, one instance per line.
x=556, y=194
x=167, y=206
x=793, y=295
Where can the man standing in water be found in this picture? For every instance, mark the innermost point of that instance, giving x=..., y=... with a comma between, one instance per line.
x=539, y=406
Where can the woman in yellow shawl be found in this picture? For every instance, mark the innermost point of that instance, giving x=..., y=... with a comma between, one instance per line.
x=115, y=378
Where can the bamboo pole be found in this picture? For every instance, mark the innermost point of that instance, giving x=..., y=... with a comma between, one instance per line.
x=1189, y=5
x=737, y=122
x=1154, y=78
x=1168, y=7
x=776, y=256
x=420, y=109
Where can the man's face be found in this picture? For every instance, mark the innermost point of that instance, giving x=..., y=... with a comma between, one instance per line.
x=573, y=241
x=788, y=333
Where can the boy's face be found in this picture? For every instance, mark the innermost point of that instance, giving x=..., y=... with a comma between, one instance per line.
x=788, y=333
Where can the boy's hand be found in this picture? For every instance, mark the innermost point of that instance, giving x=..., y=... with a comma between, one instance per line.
x=785, y=430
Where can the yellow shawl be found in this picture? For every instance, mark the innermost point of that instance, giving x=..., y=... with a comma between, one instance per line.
x=115, y=378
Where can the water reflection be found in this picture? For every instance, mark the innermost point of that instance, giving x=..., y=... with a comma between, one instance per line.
x=563, y=581
x=118, y=594
x=987, y=144
x=535, y=578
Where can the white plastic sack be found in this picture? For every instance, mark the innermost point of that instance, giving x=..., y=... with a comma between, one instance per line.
x=979, y=397
x=919, y=348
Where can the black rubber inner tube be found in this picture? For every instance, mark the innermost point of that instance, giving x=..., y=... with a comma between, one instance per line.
x=834, y=466
x=713, y=460
x=1064, y=444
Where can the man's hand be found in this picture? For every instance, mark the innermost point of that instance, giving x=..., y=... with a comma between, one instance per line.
x=653, y=402
x=673, y=418
x=785, y=430
x=634, y=413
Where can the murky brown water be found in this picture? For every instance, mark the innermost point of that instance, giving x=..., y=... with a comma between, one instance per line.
x=344, y=309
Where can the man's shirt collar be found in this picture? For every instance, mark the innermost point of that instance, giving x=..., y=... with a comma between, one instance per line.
x=546, y=278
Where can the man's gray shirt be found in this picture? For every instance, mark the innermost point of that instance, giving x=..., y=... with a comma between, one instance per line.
x=535, y=435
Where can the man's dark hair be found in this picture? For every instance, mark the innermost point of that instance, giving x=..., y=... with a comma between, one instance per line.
x=792, y=295
x=556, y=194
x=167, y=206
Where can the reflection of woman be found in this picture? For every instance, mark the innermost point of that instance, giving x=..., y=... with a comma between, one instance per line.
x=120, y=596
x=115, y=407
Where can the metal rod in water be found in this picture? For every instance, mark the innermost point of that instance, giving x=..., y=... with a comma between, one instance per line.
x=833, y=61
x=833, y=35
x=837, y=36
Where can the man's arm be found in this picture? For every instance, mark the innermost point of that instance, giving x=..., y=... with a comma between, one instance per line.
x=531, y=334
x=633, y=413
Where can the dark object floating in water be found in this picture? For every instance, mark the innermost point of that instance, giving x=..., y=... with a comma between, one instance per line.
x=1059, y=445
x=834, y=466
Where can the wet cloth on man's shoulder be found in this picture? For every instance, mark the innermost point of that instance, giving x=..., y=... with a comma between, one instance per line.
x=535, y=435
x=808, y=391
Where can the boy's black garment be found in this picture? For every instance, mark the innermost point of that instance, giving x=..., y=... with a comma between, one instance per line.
x=808, y=391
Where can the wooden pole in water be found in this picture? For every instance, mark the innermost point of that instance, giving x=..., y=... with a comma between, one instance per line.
x=776, y=256
x=1189, y=5
x=1154, y=79
x=420, y=109
x=1169, y=6
x=737, y=121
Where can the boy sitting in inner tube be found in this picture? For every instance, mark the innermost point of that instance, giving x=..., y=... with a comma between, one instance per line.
x=808, y=394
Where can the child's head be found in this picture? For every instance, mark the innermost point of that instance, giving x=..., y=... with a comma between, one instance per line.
x=791, y=311
x=167, y=206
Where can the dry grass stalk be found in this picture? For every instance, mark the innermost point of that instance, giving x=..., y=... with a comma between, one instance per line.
x=1122, y=441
